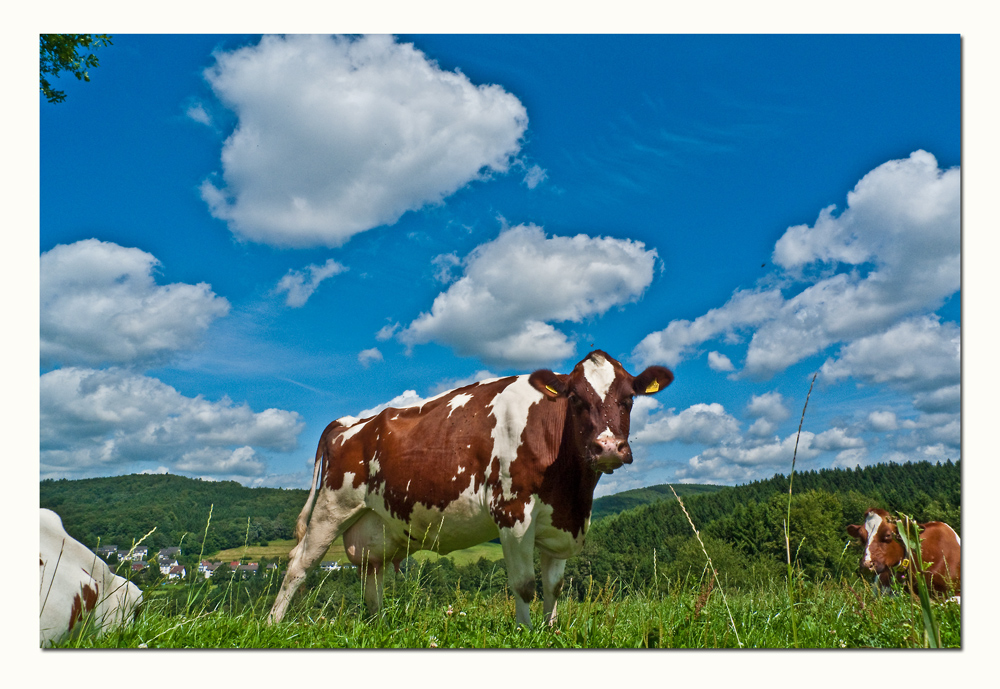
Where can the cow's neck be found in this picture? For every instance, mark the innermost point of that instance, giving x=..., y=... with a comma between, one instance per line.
x=568, y=485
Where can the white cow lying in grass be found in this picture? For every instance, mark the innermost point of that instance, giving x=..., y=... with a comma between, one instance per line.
x=77, y=590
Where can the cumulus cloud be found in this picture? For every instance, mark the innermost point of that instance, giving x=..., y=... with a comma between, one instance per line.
x=197, y=112
x=747, y=461
x=917, y=354
x=893, y=254
x=770, y=406
x=337, y=135
x=100, y=304
x=300, y=287
x=707, y=424
x=408, y=398
x=534, y=176
x=367, y=356
x=515, y=286
x=112, y=419
x=882, y=421
x=720, y=362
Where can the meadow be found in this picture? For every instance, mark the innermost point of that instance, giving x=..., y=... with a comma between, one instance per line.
x=643, y=579
x=682, y=614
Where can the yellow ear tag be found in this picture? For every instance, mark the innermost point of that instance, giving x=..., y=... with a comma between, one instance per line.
x=905, y=563
x=552, y=390
x=652, y=387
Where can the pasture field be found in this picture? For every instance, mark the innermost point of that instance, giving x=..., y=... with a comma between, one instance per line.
x=278, y=550
x=830, y=615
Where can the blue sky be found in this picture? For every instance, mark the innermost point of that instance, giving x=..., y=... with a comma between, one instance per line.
x=261, y=235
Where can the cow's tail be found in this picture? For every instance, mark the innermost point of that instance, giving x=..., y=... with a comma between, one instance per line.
x=303, y=520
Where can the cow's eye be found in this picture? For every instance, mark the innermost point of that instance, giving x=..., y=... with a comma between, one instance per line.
x=627, y=402
x=575, y=399
x=887, y=538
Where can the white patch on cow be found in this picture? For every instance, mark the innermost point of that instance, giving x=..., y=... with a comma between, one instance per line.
x=600, y=373
x=958, y=538
x=510, y=407
x=461, y=469
x=606, y=433
x=872, y=523
x=459, y=400
x=374, y=466
x=347, y=421
x=408, y=486
x=487, y=381
x=352, y=431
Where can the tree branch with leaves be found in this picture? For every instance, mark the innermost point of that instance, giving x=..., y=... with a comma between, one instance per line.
x=62, y=51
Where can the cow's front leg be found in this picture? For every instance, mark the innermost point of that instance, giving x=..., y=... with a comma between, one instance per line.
x=518, y=550
x=552, y=583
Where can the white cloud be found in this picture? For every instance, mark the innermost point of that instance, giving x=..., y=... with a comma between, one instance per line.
x=113, y=418
x=534, y=176
x=444, y=264
x=386, y=332
x=747, y=461
x=836, y=439
x=243, y=461
x=720, y=362
x=850, y=459
x=367, y=356
x=918, y=354
x=197, y=112
x=513, y=287
x=100, y=304
x=300, y=288
x=896, y=247
x=338, y=135
x=882, y=421
x=770, y=406
x=454, y=383
x=409, y=398
x=707, y=424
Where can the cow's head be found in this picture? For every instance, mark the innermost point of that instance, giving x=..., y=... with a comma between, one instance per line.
x=883, y=548
x=598, y=394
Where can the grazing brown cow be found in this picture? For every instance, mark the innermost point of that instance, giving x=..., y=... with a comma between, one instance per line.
x=515, y=457
x=887, y=555
x=75, y=584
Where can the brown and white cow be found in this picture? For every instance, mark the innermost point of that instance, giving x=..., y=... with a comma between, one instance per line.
x=516, y=457
x=887, y=555
x=76, y=588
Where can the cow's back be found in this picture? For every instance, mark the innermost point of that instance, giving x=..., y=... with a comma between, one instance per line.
x=75, y=584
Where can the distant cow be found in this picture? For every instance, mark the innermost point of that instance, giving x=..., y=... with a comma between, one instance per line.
x=515, y=457
x=887, y=555
x=76, y=588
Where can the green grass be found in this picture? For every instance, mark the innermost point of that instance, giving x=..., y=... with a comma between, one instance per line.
x=831, y=615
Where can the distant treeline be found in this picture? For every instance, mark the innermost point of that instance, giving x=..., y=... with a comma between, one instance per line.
x=652, y=544
x=122, y=509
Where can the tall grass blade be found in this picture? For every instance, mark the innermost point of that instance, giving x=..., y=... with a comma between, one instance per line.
x=788, y=520
x=910, y=533
x=714, y=573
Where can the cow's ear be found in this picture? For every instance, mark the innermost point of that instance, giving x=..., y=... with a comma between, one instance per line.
x=855, y=531
x=548, y=383
x=652, y=380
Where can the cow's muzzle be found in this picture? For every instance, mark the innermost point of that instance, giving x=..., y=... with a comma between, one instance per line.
x=609, y=453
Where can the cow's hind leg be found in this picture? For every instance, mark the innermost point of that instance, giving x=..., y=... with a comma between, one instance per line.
x=334, y=513
x=552, y=583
